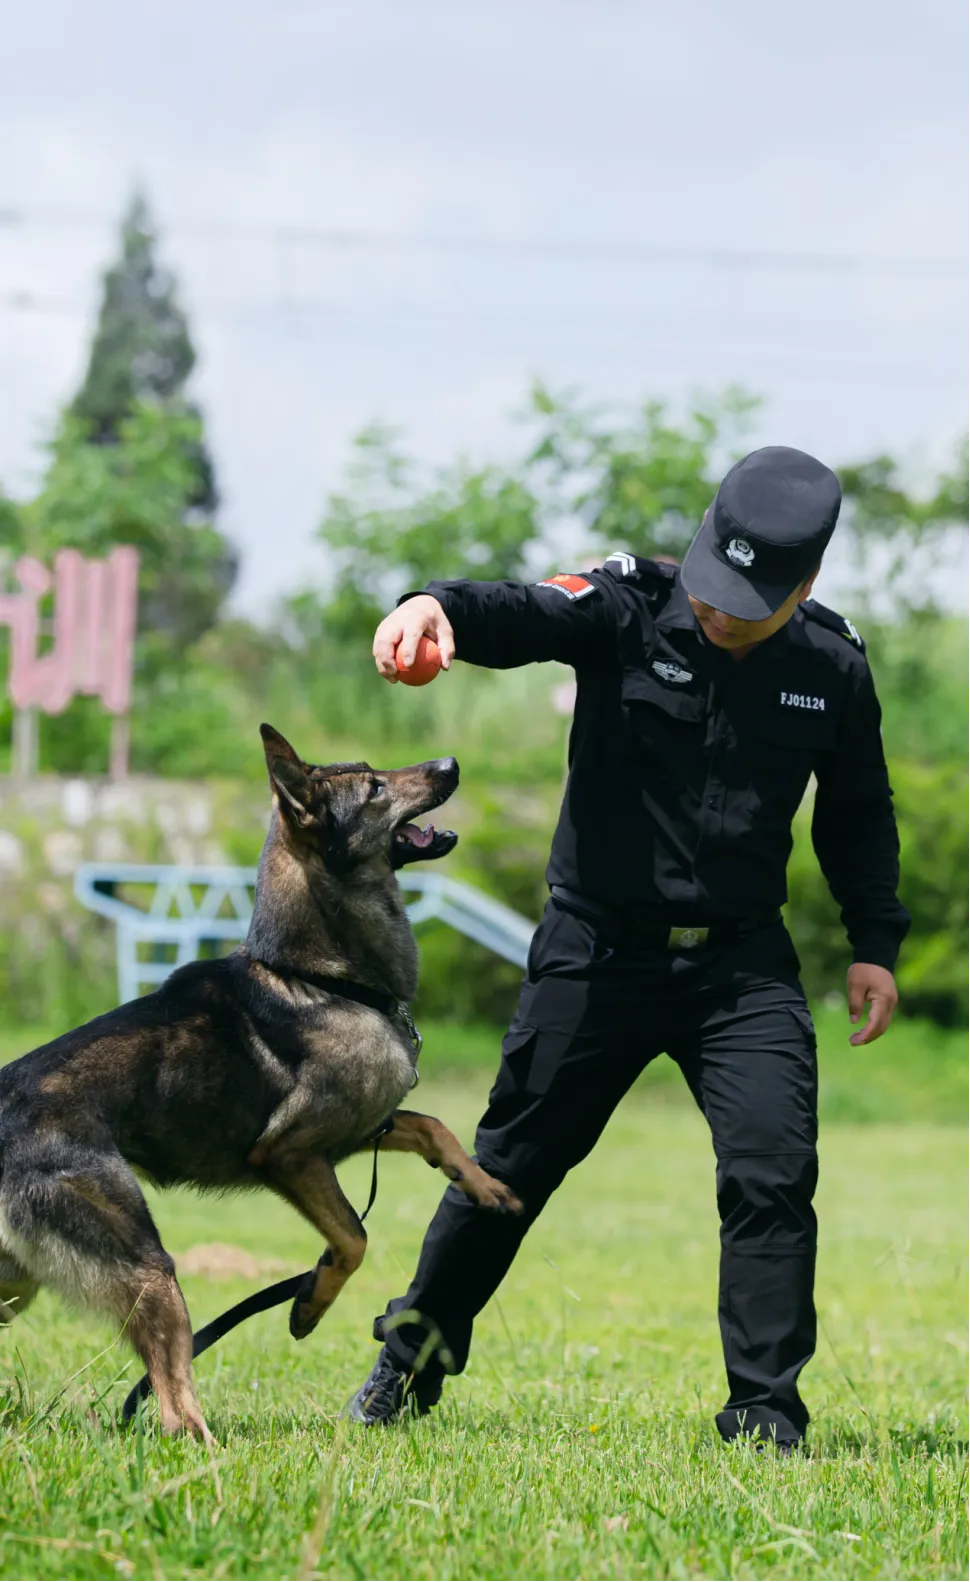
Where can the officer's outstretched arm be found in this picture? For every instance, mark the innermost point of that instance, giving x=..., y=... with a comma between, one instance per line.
x=504, y=624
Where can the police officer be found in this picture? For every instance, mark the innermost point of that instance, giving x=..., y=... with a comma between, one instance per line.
x=706, y=699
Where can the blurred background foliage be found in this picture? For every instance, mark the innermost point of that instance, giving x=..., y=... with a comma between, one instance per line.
x=128, y=462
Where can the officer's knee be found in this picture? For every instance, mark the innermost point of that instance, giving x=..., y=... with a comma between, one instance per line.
x=767, y=1197
x=534, y=1166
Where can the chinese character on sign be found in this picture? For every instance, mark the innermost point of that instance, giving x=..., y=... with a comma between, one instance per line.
x=92, y=631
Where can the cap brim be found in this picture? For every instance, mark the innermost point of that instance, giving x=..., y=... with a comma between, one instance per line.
x=708, y=577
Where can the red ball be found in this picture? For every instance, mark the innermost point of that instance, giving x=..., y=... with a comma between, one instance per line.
x=427, y=663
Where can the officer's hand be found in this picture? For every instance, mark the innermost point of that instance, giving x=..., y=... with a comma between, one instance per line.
x=877, y=986
x=419, y=617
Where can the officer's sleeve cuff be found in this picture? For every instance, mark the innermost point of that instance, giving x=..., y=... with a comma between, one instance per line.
x=434, y=590
x=877, y=950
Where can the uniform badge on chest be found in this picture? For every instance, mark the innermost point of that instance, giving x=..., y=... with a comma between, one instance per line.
x=667, y=671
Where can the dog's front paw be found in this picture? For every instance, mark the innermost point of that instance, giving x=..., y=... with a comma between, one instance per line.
x=303, y=1320
x=306, y=1312
x=495, y=1195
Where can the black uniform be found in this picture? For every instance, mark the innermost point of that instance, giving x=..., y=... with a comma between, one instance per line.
x=663, y=933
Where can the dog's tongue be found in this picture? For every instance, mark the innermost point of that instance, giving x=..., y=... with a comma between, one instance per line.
x=418, y=837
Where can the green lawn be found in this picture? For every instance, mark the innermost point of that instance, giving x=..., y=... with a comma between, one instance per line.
x=580, y=1441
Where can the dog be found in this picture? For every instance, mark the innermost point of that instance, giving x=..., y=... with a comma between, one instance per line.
x=264, y=1068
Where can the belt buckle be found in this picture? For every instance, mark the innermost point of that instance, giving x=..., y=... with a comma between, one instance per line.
x=687, y=938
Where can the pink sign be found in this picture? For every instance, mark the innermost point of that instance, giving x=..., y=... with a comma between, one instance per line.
x=93, y=630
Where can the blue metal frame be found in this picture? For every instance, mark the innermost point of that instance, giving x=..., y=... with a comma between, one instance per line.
x=187, y=908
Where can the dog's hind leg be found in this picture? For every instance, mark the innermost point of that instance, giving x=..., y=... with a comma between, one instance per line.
x=412, y=1133
x=161, y=1333
x=74, y=1218
x=312, y=1187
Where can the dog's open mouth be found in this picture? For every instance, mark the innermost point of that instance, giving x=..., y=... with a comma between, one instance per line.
x=409, y=835
x=413, y=844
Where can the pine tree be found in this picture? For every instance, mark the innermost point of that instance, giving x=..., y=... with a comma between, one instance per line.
x=128, y=461
x=142, y=350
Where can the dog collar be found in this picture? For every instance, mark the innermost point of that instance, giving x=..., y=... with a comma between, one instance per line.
x=361, y=993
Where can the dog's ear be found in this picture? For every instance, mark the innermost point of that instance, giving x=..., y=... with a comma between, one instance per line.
x=277, y=746
x=287, y=773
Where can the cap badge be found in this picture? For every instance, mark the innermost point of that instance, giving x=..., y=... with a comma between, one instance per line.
x=739, y=552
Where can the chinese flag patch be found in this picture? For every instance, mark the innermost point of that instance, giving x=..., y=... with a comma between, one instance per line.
x=572, y=587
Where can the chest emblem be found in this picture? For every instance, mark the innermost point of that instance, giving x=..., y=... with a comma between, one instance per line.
x=802, y=700
x=670, y=672
x=739, y=552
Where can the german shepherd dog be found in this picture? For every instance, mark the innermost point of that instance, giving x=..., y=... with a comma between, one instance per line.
x=261, y=1069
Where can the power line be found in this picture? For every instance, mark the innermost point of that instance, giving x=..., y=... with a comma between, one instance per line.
x=283, y=305
x=343, y=240
x=302, y=313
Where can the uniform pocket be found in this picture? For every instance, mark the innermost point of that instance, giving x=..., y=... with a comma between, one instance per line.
x=548, y=1057
x=565, y=942
x=641, y=690
x=803, y=1019
x=517, y=1046
x=800, y=729
x=513, y=1074
x=664, y=727
x=801, y=703
x=531, y=1059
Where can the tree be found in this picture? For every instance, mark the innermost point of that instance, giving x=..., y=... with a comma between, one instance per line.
x=641, y=483
x=128, y=461
x=394, y=527
x=899, y=535
x=134, y=491
x=142, y=350
x=592, y=480
x=128, y=464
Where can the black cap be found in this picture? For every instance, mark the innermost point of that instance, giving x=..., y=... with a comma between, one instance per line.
x=765, y=533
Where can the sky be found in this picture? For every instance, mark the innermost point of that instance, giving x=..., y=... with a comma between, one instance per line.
x=633, y=199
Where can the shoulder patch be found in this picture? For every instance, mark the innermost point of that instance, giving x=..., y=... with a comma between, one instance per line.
x=620, y=564
x=834, y=622
x=572, y=586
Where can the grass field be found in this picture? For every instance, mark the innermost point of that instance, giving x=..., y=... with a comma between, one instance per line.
x=579, y=1443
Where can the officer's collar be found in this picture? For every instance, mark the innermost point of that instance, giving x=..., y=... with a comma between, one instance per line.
x=677, y=611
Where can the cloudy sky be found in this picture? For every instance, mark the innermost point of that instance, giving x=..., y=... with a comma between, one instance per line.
x=768, y=193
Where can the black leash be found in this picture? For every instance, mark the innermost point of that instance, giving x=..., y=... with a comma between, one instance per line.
x=259, y=1302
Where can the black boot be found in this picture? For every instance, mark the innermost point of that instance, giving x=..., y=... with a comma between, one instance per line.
x=389, y=1393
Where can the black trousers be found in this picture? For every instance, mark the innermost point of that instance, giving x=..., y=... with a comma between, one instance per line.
x=596, y=1006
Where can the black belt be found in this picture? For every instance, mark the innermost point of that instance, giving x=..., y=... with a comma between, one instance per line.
x=663, y=932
